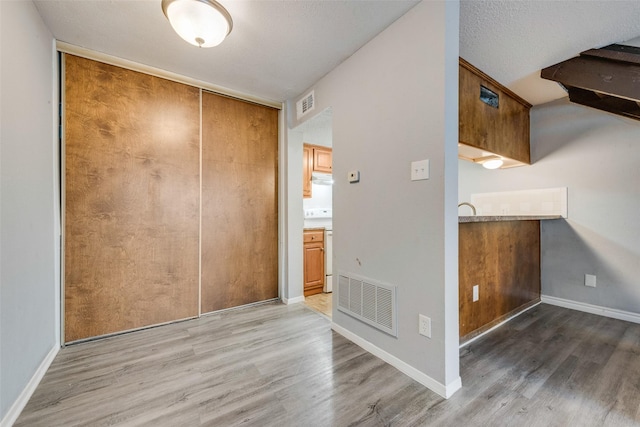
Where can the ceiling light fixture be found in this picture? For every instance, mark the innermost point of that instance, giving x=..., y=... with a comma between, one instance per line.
x=203, y=23
x=492, y=162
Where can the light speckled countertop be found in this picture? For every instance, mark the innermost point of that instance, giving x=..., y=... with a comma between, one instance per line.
x=479, y=218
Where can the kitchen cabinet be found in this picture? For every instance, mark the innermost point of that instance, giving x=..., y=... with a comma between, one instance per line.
x=502, y=258
x=315, y=158
x=491, y=117
x=313, y=261
x=322, y=159
x=307, y=164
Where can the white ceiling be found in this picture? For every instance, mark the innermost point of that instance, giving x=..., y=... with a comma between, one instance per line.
x=277, y=49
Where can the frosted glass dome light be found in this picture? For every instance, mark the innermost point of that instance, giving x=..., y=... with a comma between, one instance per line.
x=493, y=163
x=203, y=23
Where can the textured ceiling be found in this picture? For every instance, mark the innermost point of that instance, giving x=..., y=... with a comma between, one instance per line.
x=276, y=50
x=513, y=40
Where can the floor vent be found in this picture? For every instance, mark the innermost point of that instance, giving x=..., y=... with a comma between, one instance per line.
x=306, y=104
x=369, y=301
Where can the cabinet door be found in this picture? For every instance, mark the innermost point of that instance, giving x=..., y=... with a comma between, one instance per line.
x=313, y=267
x=322, y=159
x=307, y=164
x=502, y=127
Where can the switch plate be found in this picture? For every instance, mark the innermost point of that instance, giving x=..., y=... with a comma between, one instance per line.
x=354, y=176
x=476, y=293
x=424, y=325
x=590, y=280
x=420, y=170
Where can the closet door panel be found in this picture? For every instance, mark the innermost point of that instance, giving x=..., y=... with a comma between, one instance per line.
x=131, y=199
x=239, y=203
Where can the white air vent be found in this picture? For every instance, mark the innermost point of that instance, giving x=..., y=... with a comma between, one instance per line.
x=369, y=301
x=306, y=104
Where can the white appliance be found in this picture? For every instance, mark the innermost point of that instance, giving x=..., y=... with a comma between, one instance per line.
x=328, y=259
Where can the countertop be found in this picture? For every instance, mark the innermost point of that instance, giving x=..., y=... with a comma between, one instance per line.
x=465, y=219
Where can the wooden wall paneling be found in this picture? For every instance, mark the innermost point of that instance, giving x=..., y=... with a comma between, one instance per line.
x=503, y=130
x=503, y=258
x=132, y=199
x=239, y=203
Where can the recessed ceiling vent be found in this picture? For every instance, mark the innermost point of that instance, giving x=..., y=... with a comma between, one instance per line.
x=607, y=79
x=306, y=104
x=371, y=302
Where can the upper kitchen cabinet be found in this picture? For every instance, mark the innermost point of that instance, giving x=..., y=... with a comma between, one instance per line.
x=493, y=121
x=315, y=158
x=322, y=159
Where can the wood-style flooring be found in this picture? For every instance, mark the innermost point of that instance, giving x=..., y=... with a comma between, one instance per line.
x=321, y=303
x=277, y=365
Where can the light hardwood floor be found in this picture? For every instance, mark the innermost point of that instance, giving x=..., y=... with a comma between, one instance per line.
x=277, y=365
x=322, y=303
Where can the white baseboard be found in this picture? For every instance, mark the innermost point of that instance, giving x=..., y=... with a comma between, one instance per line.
x=22, y=400
x=433, y=385
x=295, y=300
x=593, y=309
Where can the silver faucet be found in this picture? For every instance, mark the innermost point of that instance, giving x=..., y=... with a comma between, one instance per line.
x=473, y=208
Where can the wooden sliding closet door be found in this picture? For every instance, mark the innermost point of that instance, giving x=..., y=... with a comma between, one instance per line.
x=239, y=203
x=131, y=199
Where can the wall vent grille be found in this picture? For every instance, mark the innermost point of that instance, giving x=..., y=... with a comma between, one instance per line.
x=368, y=301
x=306, y=104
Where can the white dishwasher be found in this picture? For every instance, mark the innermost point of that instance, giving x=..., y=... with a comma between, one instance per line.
x=328, y=259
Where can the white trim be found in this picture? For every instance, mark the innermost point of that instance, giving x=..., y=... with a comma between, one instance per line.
x=499, y=324
x=14, y=411
x=294, y=300
x=433, y=385
x=157, y=72
x=593, y=309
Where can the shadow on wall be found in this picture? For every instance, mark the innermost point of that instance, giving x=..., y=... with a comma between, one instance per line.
x=570, y=250
x=567, y=124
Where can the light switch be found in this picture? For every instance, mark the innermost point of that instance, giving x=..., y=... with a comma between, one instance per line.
x=420, y=170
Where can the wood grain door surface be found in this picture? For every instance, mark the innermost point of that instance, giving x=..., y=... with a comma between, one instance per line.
x=131, y=199
x=239, y=203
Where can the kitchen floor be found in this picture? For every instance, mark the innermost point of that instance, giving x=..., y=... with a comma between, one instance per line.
x=320, y=302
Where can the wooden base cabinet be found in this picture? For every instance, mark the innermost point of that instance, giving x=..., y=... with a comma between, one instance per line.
x=313, y=262
x=503, y=259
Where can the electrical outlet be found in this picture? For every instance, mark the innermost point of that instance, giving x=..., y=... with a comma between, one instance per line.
x=353, y=176
x=424, y=325
x=590, y=280
x=476, y=293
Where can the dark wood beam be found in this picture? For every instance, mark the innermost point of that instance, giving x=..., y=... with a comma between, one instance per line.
x=597, y=74
x=611, y=104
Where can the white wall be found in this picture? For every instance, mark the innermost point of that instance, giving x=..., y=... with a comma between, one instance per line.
x=29, y=227
x=595, y=155
x=395, y=101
